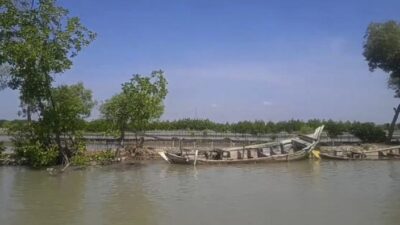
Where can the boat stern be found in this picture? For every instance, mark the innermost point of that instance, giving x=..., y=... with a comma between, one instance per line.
x=164, y=156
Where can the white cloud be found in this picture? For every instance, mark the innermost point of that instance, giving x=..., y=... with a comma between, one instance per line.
x=267, y=103
x=214, y=105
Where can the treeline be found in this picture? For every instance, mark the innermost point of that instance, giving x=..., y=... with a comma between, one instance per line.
x=11, y=123
x=368, y=132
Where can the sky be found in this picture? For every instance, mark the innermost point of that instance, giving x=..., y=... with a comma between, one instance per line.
x=232, y=60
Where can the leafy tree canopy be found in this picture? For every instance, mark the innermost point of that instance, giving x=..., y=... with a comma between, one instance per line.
x=382, y=50
x=72, y=104
x=140, y=102
x=62, y=116
x=37, y=40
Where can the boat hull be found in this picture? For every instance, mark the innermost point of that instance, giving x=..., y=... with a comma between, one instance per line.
x=379, y=154
x=176, y=159
x=333, y=157
x=297, y=148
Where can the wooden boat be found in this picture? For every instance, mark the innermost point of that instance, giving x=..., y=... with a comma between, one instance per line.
x=334, y=157
x=287, y=150
x=382, y=153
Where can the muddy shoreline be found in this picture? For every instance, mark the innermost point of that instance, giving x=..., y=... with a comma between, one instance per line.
x=151, y=154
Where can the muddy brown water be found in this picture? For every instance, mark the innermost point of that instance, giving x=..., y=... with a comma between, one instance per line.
x=306, y=192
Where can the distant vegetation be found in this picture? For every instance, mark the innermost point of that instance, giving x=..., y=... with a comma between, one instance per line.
x=367, y=132
x=333, y=128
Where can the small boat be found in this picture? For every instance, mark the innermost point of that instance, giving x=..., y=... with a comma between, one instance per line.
x=287, y=150
x=336, y=156
x=382, y=153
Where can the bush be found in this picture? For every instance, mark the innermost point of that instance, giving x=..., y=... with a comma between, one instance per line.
x=368, y=132
x=29, y=150
x=83, y=158
x=102, y=157
x=80, y=159
x=36, y=156
x=334, y=129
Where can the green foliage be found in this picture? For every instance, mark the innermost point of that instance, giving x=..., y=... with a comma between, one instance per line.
x=140, y=102
x=7, y=124
x=29, y=148
x=38, y=41
x=334, y=129
x=306, y=129
x=368, y=132
x=84, y=158
x=36, y=156
x=382, y=50
x=80, y=157
x=250, y=127
x=63, y=117
x=68, y=108
x=191, y=124
x=101, y=125
x=102, y=157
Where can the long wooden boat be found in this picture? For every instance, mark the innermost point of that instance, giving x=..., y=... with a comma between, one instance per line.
x=287, y=150
x=375, y=154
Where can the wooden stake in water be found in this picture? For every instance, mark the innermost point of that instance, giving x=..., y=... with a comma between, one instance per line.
x=195, y=157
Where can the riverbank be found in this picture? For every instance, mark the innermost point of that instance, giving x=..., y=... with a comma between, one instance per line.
x=93, y=158
x=132, y=155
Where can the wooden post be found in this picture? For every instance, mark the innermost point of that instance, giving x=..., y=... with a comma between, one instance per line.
x=195, y=157
x=180, y=146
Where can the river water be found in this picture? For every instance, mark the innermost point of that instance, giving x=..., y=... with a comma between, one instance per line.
x=307, y=192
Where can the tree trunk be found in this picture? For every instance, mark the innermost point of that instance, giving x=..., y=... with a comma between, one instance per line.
x=393, y=124
x=63, y=151
x=29, y=114
x=121, y=143
x=136, y=140
x=141, y=142
x=64, y=154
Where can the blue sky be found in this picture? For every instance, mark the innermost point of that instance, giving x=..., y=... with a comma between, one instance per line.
x=236, y=60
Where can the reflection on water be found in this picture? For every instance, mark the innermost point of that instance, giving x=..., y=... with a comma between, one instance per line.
x=308, y=192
